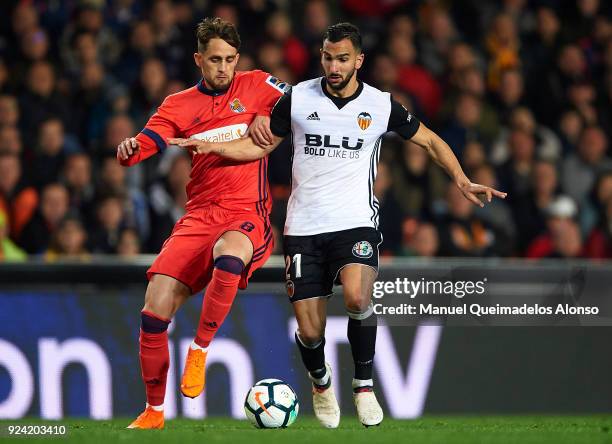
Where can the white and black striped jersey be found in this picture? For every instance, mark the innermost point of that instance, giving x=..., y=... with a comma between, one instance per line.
x=336, y=147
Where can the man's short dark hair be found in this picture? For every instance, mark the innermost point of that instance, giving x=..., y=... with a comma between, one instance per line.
x=341, y=31
x=216, y=28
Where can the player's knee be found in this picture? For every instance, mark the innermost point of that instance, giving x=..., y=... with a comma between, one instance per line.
x=234, y=243
x=356, y=302
x=310, y=335
x=359, y=310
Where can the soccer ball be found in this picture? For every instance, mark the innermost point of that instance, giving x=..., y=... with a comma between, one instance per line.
x=271, y=404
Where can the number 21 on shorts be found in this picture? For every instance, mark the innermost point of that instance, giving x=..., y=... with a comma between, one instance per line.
x=297, y=266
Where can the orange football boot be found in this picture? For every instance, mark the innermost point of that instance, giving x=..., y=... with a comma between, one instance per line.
x=149, y=419
x=192, y=383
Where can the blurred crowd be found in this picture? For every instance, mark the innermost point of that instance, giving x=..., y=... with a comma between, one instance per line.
x=520, y=89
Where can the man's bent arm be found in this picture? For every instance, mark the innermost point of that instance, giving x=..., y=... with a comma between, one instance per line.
x=243, y=149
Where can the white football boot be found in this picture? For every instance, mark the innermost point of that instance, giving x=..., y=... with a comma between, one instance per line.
x=368, y=408
x=325, y=404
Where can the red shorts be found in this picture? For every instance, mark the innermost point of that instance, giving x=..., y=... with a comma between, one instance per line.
x=187, y=255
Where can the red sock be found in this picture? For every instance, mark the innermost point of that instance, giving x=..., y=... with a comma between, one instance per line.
x=154, y=356
x=218, y=298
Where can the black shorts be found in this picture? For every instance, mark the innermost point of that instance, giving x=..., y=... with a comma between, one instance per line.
x=313, y=263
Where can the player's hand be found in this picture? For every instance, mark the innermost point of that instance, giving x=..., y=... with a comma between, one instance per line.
x=127, y=148
x=195, y=145
x=260, y=131
x=471, y=191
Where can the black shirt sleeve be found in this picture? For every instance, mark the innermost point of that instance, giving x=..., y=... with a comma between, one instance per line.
x=401, y=121
x=280, y=119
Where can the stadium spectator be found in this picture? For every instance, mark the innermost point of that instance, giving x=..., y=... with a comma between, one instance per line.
x=570, y=128
x=464, y=124
x=68, y=241
x=110, y=219
x=424, y=242
x=548, y=145
x=511, y=94
x=438, y=36
x=474, y=156
x=413, y=78
x=560, y=216
x=581, y=169
x=17, y=200
x=150, y=90
x=50, y=154
x=295, y=54
x=462, y=233
x=497, y=213
x=172, y=46
x=515, y=172
x=93, y=94
x=85, y=48
x=54, y=205
x=567, y=244
x=113, y=180
x=9, y=251
x=10, y=140
x=270, y=56
x=417, y=182
x=550, y=91
x=89, y=18
x=77, y=176
x=502, y=44
x=168, y=199
x=542, y=46
x=593, y=210
x=316, y=19
x=141, y=46
x=9, y=110
x=41, y=98
x=529, y=212
x=599, y=242
x=118, y=128
x=129, y=243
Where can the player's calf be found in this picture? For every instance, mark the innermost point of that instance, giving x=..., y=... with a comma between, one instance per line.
x=154, y=356
x=217, y=303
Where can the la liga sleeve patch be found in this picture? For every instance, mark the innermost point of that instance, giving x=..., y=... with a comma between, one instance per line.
x=278, y=84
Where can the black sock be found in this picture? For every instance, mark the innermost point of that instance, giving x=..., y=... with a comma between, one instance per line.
x=313, y=357
x=362, y=337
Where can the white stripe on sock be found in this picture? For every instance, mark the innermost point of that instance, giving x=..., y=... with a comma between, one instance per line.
x=357, y=383
x=157, y=408
x=195, y=346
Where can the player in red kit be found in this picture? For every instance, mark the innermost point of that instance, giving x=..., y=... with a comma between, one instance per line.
x=225, y=234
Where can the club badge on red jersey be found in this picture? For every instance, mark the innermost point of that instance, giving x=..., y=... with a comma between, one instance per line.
x=236, y=106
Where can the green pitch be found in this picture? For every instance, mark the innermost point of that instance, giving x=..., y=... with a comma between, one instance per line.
x=432, y=429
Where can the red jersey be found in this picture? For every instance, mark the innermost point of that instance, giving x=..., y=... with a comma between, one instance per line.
x=217, y=116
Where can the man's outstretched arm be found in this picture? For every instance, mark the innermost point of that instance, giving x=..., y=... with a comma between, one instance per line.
x=442, y=154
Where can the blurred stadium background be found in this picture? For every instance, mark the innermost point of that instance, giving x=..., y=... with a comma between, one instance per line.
x=520, y=89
